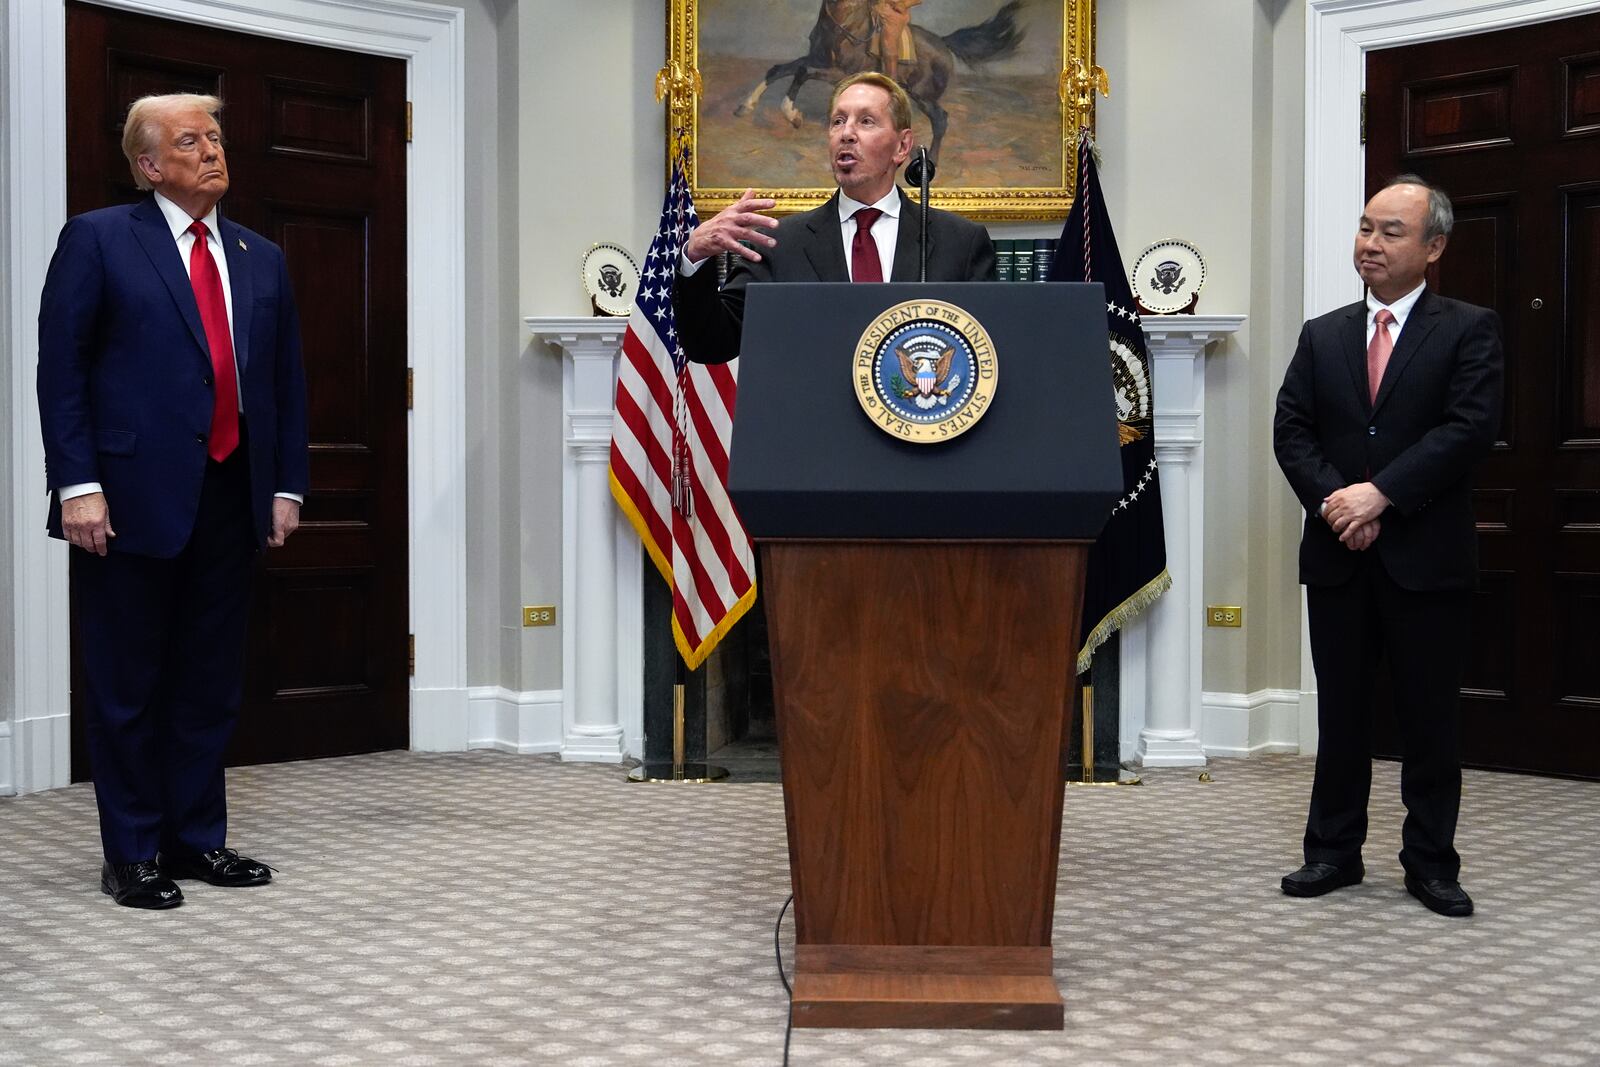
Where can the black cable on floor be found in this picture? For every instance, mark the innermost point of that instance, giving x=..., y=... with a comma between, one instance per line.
x=777, y=951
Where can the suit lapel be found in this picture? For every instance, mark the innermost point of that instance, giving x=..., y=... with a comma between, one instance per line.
x=150, y=229
x=1354, y=338
x=241, y=284
x=907, y=264
x=1419, y=324
x=826, y=249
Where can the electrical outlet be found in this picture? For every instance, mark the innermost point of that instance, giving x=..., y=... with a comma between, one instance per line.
x=539, y=615
x=1224, y=615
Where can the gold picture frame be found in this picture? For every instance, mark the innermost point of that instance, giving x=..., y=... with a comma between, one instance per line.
x=739, y=137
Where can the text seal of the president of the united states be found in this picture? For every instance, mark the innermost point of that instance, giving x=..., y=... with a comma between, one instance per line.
x=924, y=371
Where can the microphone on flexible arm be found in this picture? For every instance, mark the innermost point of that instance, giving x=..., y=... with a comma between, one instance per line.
x=920, y=170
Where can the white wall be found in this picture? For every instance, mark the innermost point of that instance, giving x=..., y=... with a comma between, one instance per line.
x=591, y=169
x=7, y=693
x=1200, y=140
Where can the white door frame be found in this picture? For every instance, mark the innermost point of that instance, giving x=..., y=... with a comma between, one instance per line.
x=1339, y=33
x=431, y=40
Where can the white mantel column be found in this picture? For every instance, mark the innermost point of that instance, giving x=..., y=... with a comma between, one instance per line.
x=602, y=714
x=1162, y=647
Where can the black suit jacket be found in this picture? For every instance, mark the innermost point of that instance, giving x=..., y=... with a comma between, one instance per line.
x=1437, y=413
x=811, y=249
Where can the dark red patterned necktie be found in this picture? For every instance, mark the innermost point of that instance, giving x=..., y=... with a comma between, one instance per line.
x=207, y=282
x=865, y=266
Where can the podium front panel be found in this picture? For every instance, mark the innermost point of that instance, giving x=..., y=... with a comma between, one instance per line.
x=808, y=462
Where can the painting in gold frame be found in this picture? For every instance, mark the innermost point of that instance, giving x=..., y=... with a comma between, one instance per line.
x=1007, y=150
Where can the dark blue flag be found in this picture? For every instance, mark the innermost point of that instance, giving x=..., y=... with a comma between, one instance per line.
x=1128, y=565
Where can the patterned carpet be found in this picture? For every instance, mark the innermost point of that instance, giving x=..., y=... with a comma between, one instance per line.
x=481, y=908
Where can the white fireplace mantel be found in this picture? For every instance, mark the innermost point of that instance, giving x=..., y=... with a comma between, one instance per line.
x=602, y=656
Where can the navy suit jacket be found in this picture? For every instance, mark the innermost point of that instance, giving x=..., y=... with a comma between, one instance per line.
x=1437, y=414
x=124, y=372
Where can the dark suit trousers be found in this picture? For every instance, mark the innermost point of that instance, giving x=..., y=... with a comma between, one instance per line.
x=1421, y=637
x=162, y=648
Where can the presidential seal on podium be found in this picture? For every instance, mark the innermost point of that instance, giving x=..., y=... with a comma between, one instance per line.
x=924, y=371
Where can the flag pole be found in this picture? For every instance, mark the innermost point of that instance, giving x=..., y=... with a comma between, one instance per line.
x=680, y=769
x=1090, y=771
x=1079, y=87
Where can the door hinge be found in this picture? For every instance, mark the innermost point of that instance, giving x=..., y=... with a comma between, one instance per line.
x=411, y=376
x=411, y=655
x=408, y=122
x=1363, y=118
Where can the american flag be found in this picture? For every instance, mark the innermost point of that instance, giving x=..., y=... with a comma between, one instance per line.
x=669, y=451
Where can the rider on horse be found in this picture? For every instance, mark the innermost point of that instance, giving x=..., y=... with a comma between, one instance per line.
x=882, y=27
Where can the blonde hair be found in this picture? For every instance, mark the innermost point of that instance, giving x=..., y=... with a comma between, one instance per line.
x=899, y=102
x=143, y=125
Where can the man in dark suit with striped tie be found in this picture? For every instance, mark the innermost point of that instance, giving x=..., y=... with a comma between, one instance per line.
x=1386, y=408
x=173, y=407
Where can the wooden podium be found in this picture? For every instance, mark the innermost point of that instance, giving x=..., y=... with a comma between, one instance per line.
x=922, y=604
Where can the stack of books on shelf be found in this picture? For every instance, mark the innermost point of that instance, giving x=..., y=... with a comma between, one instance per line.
x=1024, y=259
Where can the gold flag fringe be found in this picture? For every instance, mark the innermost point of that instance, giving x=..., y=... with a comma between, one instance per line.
x=1121, y=615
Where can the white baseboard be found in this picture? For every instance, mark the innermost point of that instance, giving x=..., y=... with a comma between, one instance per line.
x=7, y=787
x=34, y=755
x=1250, y=724
x=524, y=722
x=439, y=720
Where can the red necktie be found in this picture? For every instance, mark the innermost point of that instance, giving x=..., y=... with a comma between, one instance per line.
x=865, y=266
x=1378, y=350
x=224, y=436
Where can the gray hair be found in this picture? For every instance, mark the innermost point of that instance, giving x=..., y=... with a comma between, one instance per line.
x=1441, y=218
x=143, y=125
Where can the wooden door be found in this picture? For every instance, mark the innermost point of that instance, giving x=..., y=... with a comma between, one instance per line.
x=316, y=153
x=1508, y=123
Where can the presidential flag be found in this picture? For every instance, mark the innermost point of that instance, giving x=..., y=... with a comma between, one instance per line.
x=669, y=451
x=1127, y=567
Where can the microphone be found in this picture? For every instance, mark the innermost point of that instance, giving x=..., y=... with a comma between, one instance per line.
x=920, y=170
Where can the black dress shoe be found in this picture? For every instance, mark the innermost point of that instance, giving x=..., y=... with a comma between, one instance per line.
x=1444, y=897
x=139, y=885
x=223, y=867
x=1315, y=879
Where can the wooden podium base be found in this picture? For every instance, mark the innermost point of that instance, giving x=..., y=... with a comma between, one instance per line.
x=922, y=693
x=918, y=987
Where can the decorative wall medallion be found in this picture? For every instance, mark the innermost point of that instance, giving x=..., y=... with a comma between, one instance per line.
x=1167, y=277
x=611, y=278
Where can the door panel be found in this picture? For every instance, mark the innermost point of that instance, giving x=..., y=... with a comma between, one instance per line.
x=316, y=152
x=1509, y=124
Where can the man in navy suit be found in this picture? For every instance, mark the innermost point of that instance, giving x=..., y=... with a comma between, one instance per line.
x=173, y=406
x=1386, y=408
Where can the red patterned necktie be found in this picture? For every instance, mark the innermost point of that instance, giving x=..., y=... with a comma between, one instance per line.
x=865, y=266
x=1378, y=351
x=207, y=282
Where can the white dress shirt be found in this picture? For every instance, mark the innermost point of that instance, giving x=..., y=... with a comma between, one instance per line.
x=886, y=231
x=178, y=221
x=1400, y=309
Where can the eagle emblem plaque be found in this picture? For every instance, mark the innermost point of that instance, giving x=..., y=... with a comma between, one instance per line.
x=924, y=371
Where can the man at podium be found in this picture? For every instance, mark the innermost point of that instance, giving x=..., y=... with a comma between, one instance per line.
x=857, y=236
